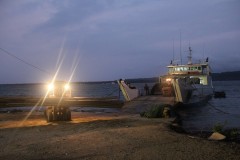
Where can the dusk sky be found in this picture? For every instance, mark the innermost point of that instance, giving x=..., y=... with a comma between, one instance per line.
x=113, y=39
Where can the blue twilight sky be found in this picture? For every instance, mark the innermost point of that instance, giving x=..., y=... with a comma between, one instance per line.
x=112, y=39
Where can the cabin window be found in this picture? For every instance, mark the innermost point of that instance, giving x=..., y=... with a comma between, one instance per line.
x=195, y=81
x=182, y=69
x=191, y=68
x=194, y=68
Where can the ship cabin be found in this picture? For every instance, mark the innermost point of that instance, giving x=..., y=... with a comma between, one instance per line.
x=188, y=69
x=200, y=72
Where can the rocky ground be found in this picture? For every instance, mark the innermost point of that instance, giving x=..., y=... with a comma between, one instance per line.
x=92, y=135
x=105, y=135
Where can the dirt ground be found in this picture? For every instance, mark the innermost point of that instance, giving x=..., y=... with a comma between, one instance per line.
x=102, y=136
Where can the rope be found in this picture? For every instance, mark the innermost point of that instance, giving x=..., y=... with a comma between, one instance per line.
x=235, y=115
x=23, y=61
x=238, y=116
x=217, y=108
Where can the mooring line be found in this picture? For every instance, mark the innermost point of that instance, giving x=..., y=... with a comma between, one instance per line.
x=235, y=115
x=24, y=61
x=218, y=109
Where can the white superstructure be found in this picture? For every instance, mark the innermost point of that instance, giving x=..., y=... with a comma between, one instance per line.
x=188, y=83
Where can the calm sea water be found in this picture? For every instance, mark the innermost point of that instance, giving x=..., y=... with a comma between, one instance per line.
x=78, y=89
x=225, y=111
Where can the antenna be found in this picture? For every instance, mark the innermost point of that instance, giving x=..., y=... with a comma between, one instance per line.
x=203, y=53
x=181, y=46
x=173, y=52
x=190, y=56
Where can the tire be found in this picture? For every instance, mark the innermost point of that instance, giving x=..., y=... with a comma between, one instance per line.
x=49, y=115
x=64, y=114
x=55, y=114
x=68, y=115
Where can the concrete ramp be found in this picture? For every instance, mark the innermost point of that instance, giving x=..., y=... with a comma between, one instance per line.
x=144, y=103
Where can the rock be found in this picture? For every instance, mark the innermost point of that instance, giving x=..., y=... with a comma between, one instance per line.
x=217, y=136
x=166, y=112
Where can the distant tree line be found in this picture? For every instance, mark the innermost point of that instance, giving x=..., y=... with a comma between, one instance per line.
x=224, y=76
x=143, y=80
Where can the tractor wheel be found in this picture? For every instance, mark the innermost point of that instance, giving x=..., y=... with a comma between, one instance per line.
x=61, y=114
x=49, y=115
x=55, y=114
x=64, y=112
x=68, y=115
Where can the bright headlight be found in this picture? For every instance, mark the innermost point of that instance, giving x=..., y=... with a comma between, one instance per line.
x=66, y=87
x=50, y=87
x=168, y=79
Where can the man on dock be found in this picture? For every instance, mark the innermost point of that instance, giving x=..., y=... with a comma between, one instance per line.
x=146, y=89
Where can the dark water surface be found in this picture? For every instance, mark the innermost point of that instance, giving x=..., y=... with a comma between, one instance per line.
x=223, y=111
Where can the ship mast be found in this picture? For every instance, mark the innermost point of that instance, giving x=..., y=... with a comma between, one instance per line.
x=190, y=56
x=173, y=61
x=181, y=46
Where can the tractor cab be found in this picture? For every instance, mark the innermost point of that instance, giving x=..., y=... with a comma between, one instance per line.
x=59, y=89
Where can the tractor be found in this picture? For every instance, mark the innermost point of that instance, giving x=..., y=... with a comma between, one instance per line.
x=58, y=92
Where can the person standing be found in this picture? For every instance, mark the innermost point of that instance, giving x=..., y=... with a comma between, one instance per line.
x=146, y=89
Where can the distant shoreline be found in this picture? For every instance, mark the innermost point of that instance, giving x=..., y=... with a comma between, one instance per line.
x=223, y=76
x=140, y=80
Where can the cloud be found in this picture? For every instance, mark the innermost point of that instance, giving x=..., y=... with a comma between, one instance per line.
x=117, y=38
x=22, y=17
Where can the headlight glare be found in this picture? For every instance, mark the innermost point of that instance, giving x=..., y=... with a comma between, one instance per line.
x=66, y=87
x=50, y=87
